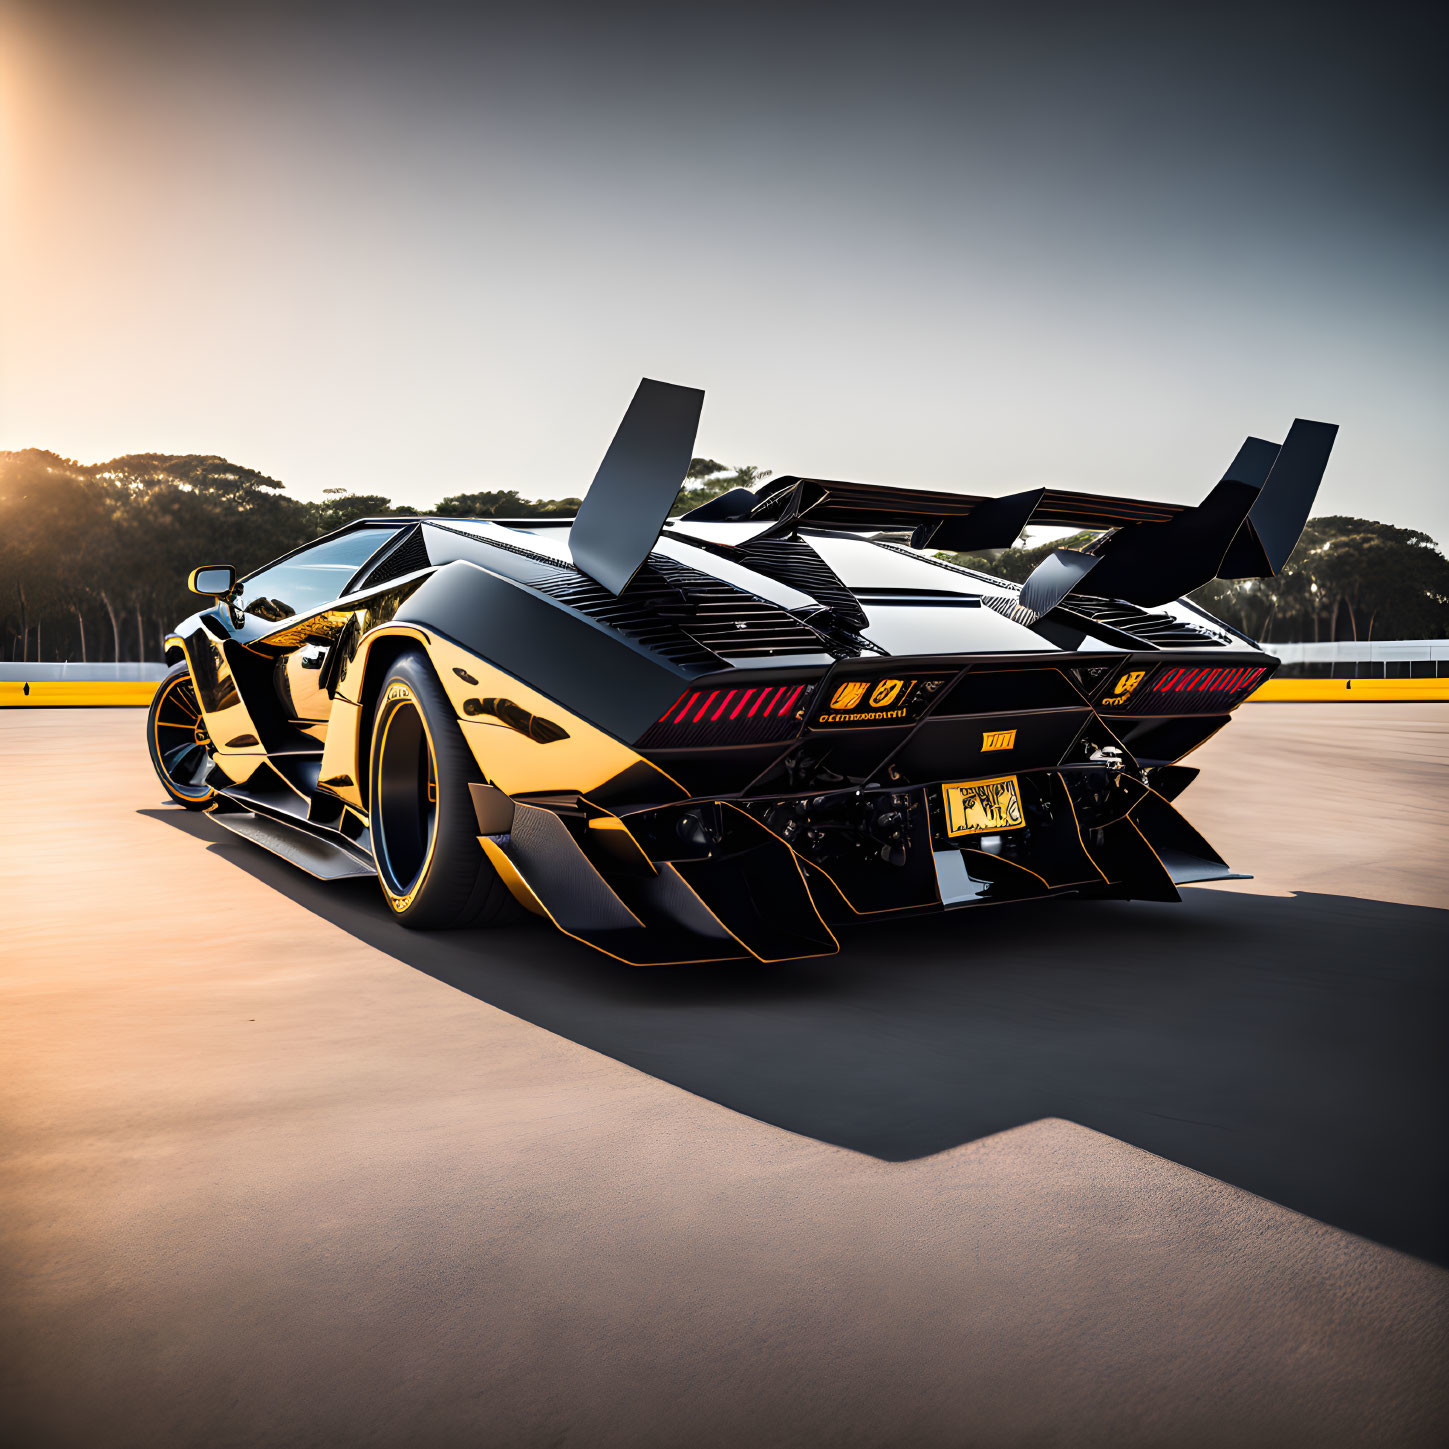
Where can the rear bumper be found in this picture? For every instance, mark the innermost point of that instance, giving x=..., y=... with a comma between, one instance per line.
x=774, y=877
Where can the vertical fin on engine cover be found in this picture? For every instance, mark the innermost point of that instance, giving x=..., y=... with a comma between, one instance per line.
x=636, y=485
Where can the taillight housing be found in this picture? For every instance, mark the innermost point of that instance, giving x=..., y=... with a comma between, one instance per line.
x=1225, y=679
x=1181, y=688
x=745, y=714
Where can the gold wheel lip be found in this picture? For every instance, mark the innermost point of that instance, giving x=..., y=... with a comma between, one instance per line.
x=403, y=698
x=197, y=728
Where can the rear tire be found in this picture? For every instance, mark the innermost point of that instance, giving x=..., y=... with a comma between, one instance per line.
x=177, y=740
x=433, y=872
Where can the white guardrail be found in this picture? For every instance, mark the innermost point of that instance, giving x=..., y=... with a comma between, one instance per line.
x=1364, y=659
x=88, y=673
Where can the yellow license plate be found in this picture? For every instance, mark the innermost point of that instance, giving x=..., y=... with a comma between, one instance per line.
x=981, y=806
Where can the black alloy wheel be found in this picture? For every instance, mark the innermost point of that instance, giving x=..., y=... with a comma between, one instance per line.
x=433, y=872
x=179, y=744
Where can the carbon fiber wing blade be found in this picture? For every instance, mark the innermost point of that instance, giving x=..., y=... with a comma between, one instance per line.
x=1245, y=528
x=1056, y=576
x=993, y=523
x=1284, y=500
x=636, y=485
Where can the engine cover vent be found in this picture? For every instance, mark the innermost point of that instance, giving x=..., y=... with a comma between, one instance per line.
x=685, y=615
x=1163, y=630
x=792, y=561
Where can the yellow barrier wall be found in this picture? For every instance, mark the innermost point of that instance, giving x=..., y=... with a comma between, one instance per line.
x=48, y=694
x=1350, y=691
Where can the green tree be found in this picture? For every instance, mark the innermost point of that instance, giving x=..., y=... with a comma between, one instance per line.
x=707, y=479
x=338, y=508
x=1348, y=578
x=502, y=503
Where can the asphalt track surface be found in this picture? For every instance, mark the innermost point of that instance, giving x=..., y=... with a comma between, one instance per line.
x=280, y=1173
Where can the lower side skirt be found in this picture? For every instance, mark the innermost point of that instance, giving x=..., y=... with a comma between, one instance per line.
x=299, y=847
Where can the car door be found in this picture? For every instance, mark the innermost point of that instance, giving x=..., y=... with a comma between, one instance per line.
x=288, y=610
x=258, y=665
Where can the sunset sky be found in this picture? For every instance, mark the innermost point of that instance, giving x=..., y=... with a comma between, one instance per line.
x=420, y=249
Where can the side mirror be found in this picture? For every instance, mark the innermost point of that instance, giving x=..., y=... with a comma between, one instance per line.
x=216, y=581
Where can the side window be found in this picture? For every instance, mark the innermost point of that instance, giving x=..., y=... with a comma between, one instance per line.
x=310, y=579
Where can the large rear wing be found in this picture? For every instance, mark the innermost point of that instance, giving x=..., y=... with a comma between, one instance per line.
x=1149, y=553
x=960, y=522
x=1244, y=529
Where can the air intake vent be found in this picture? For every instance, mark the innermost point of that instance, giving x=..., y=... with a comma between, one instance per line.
x=687, y=616
x=407, y=555
x=792, y=561
x=729, y=621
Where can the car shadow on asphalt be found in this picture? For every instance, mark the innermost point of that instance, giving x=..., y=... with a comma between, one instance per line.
x=1291, y=1046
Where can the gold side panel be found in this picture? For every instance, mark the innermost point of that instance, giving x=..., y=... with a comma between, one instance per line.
x=581, y=758
x=581, y=764
x=315, y=628
x=577, y=758
x=328, y=625
x=234, y=733
x=340, y=773
x=354, y=667
x=342, y=769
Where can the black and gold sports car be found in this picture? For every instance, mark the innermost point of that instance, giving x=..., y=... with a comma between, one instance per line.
x=730, y=734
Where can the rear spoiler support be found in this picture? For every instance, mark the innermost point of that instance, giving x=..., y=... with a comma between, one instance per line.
x=1244, y=529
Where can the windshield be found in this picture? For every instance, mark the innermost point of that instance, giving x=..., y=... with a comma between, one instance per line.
x=311, y=579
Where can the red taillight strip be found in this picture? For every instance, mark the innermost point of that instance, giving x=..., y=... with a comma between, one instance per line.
x=722, y=706
x=785, y=708
x=1222, y=680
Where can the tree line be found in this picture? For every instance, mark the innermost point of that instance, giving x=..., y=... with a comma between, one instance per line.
x=94, y=557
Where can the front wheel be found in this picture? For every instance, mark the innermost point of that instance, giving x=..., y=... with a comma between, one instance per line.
x=433, y=872
x=177, y=739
